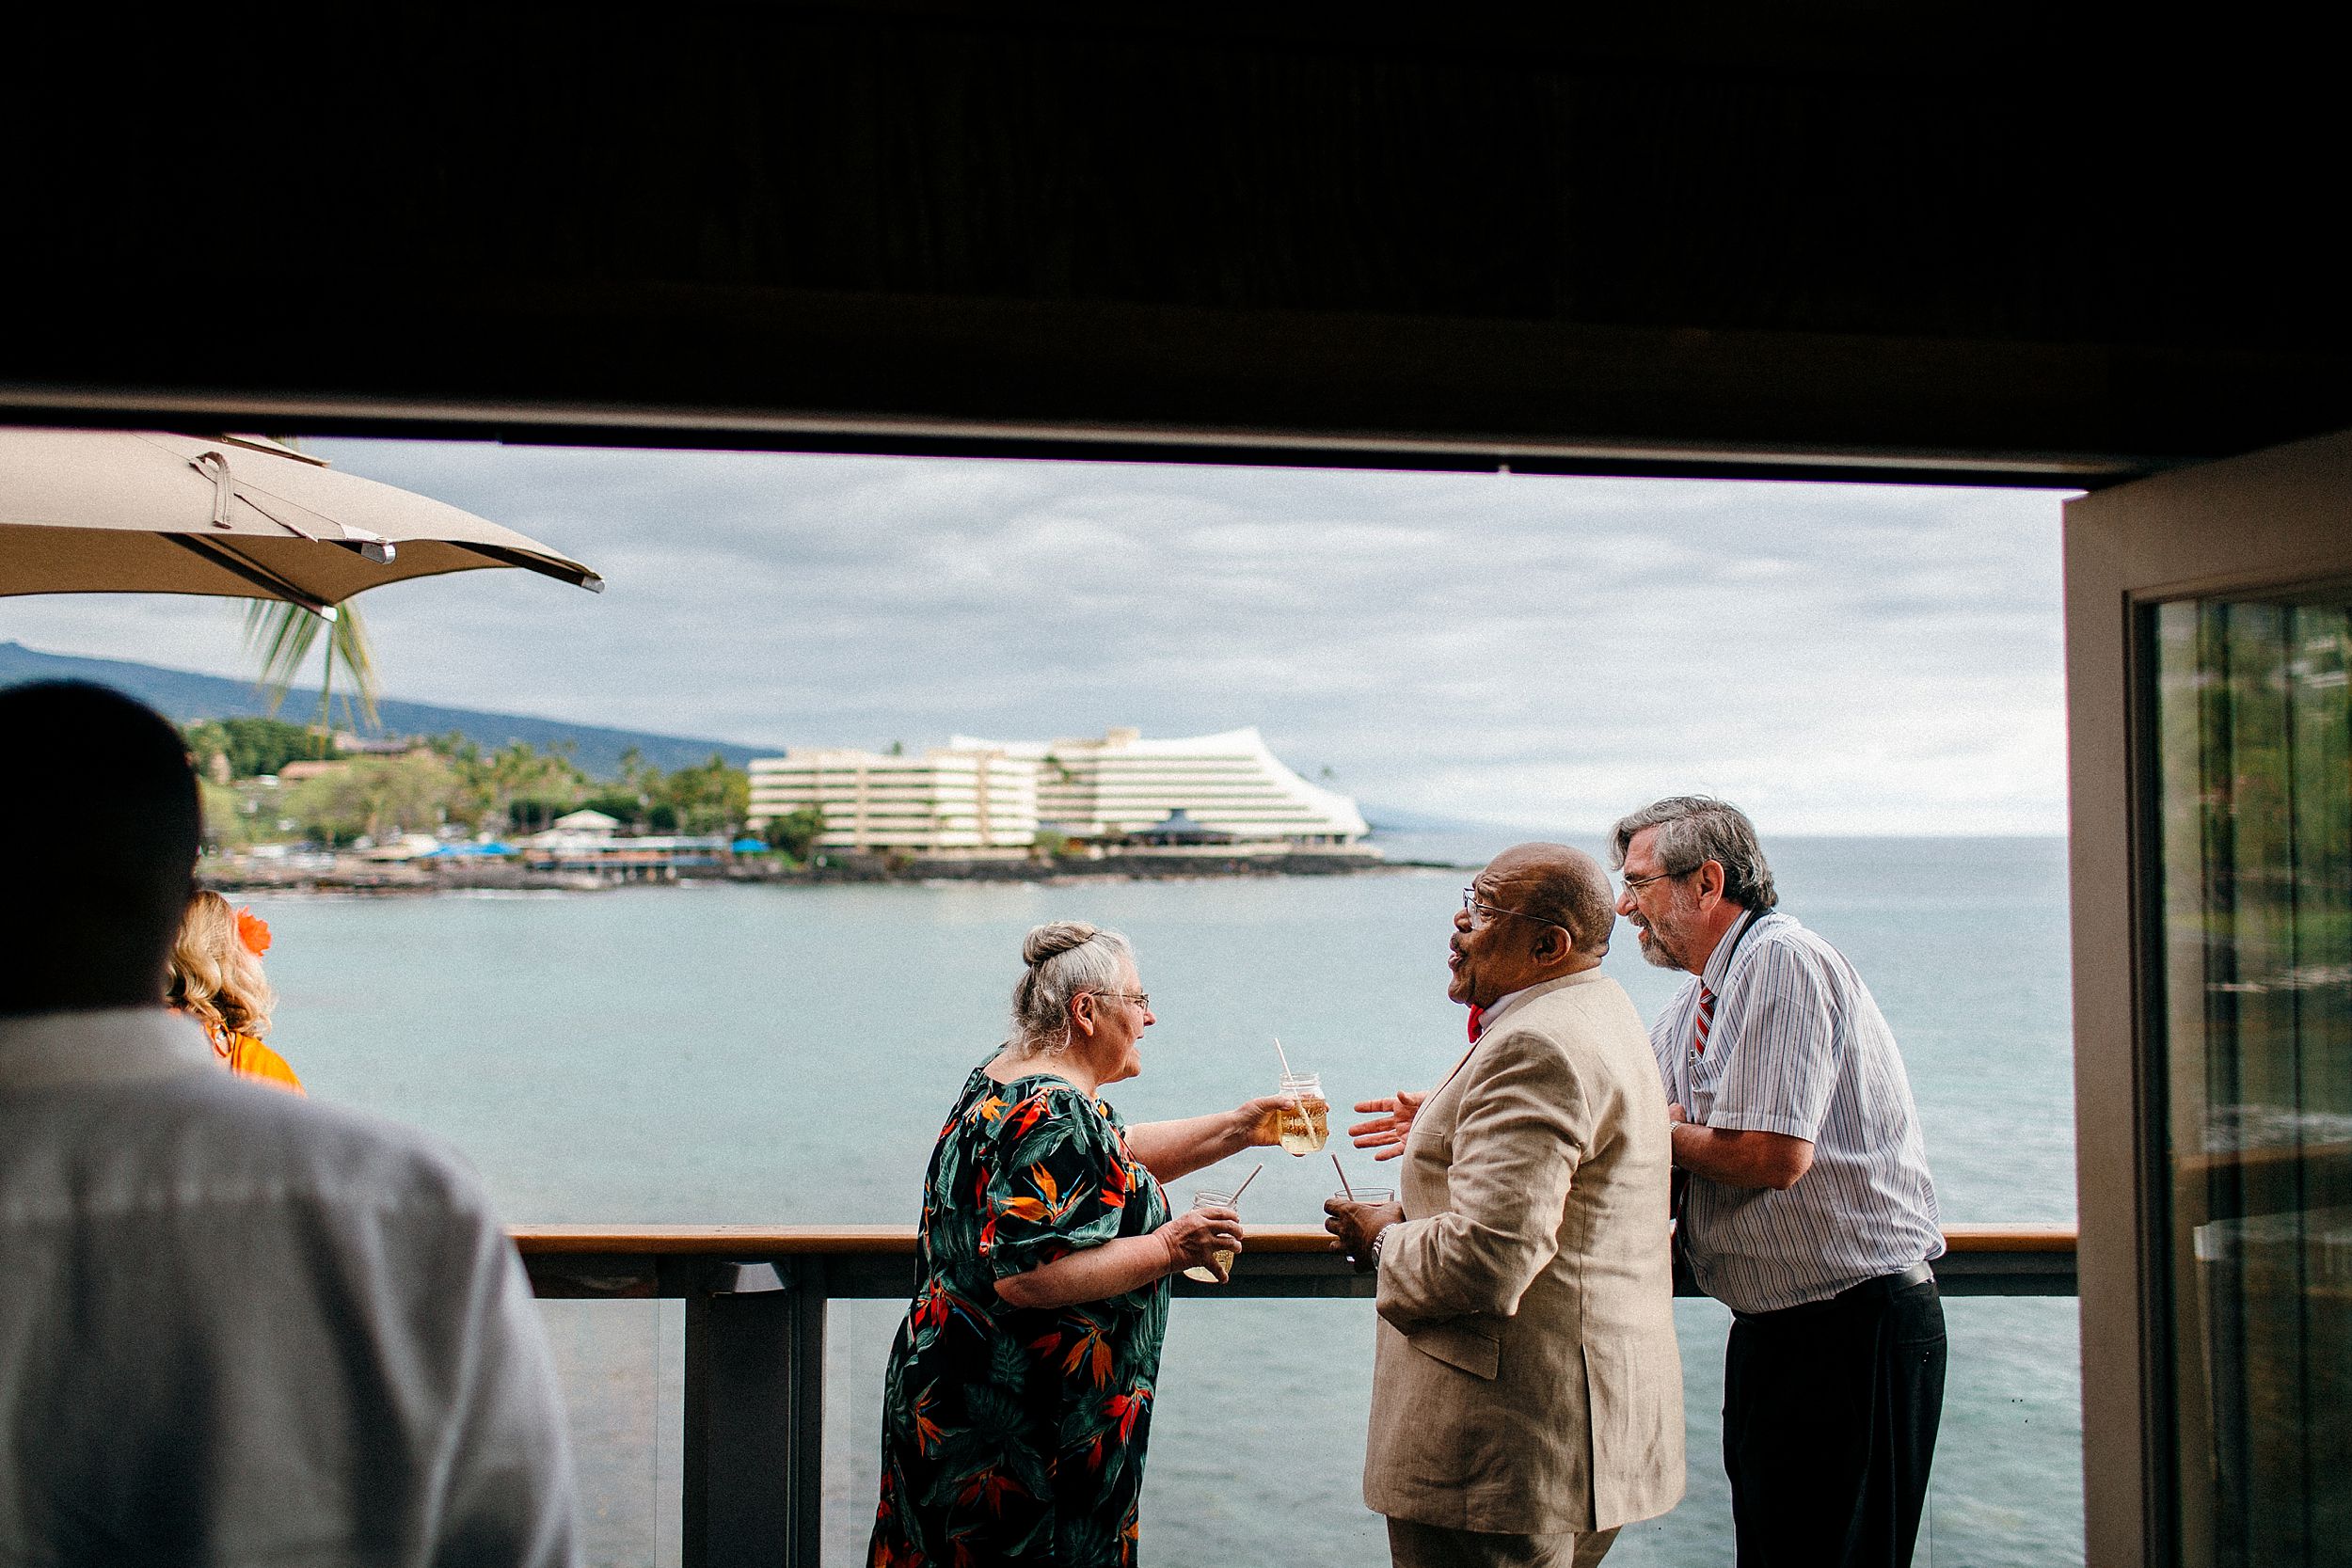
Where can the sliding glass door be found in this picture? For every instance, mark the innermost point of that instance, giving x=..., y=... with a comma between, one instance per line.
x=2210, y=648
x=2253, y=713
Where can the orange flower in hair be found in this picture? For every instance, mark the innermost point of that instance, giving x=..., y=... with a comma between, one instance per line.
x=253, y=931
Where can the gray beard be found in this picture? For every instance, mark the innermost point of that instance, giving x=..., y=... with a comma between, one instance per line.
x=1654, y=949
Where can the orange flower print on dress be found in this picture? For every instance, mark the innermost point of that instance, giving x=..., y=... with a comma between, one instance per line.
x=1091, y=1351
x=1048, y=1206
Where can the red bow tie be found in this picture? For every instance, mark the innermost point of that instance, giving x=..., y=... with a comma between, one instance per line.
x=1477, y=1017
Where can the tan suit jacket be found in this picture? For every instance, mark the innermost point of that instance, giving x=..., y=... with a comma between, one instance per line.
x=1527, y=1378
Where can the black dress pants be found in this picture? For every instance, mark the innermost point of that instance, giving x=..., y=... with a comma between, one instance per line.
x=1830, y=1412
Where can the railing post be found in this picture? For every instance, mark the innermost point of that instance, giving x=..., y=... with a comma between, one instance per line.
x=755, y=1416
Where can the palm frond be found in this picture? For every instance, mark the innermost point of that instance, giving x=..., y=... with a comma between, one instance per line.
x=349, y=638
x=282, y=636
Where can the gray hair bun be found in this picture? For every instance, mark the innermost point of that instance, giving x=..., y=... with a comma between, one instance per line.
x=1054, y=938
x=1066, y=958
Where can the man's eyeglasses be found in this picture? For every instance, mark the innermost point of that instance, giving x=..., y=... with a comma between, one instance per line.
x=1478, y=911
x=1635, y=884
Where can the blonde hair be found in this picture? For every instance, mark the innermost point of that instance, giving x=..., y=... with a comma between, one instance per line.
x=214, y=976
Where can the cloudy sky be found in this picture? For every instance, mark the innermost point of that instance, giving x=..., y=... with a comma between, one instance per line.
x=1537, y=651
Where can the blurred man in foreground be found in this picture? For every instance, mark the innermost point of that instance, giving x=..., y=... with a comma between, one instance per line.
x=1526, y=1391
x=235, y=1327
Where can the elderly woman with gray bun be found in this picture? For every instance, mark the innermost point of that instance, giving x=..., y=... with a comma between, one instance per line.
x=1018, y=1398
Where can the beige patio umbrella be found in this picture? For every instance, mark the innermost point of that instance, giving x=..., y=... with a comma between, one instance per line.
x=240, y=517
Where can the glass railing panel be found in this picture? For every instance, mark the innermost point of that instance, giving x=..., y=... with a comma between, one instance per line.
x=1699, y=1529
x=622, y=1367
x=857, y=1345
x=1257, y=1441
x=2008, y=1484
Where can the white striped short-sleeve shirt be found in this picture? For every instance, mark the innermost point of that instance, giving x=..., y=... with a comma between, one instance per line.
x=1798, y=1047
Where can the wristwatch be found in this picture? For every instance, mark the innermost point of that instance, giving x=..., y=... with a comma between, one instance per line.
x=1378, y=1237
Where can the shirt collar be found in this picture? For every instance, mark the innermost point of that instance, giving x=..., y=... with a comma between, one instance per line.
x=1500, y=1005
x=1719, y=962
x=100, y=1046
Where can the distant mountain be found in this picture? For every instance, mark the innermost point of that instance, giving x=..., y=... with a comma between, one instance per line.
x=184, y=696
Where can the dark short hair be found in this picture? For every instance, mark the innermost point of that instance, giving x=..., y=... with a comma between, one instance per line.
x=1573, y=892
x=102, y=822
x=1694, y=828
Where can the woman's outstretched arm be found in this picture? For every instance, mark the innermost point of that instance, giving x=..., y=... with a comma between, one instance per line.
x=1172, y=1148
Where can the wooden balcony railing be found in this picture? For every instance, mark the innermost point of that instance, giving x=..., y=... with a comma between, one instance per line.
x=756, y=1301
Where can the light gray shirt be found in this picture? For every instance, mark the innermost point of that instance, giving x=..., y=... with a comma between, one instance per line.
x=241, y=1327
x=1798, y=1047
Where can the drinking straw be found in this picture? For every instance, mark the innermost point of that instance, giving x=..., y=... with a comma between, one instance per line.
x=1284, y=1060
x=1234, y=1201
x=1344, y=1186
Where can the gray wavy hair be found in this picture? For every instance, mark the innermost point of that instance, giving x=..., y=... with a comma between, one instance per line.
x=1067, y=959
x=1696, y=828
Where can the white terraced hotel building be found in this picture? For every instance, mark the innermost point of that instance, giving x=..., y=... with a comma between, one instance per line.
x=1229, y=782
x=952, y=797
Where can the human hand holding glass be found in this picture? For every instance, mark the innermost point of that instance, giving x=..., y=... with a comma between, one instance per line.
x=1385, y=1136
x=1304, y=1124
x=1204, y=1239
x=1264, y=1116
x=1356, y=1219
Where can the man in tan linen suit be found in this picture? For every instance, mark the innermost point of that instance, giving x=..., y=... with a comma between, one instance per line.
x=1527, y=1390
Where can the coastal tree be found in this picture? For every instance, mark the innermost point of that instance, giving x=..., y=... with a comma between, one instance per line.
x=705, y=798
x=245, y=748
x=517, y=786
x=625, y=806
x=374, y=797
x=795, y=834
x=229, y=818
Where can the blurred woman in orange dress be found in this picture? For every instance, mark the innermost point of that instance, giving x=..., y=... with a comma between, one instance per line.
x=215, y=977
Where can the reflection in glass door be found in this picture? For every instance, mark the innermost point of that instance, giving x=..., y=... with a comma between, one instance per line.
x=2253, y=726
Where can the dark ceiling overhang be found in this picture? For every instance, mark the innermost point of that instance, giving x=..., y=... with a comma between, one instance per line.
x=1984, y=243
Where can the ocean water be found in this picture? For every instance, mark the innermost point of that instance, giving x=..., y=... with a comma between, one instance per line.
x=694, y=1054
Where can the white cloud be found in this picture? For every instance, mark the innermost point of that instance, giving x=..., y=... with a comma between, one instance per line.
x=1548, y=650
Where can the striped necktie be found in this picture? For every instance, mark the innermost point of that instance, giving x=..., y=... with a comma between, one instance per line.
x=1706, y=1018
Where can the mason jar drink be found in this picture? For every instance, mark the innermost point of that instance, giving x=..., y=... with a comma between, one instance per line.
x=1206, y=1199
x=1307, y=1128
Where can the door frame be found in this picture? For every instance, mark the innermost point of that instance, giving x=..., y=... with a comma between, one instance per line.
x=2268, y=520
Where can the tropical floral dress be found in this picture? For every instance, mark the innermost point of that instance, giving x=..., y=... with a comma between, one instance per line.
x=1014, y=1435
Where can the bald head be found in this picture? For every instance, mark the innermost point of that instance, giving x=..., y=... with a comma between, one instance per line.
x=1564, y=885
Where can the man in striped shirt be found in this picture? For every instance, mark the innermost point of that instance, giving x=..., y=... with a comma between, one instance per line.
x=1807, y=1207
